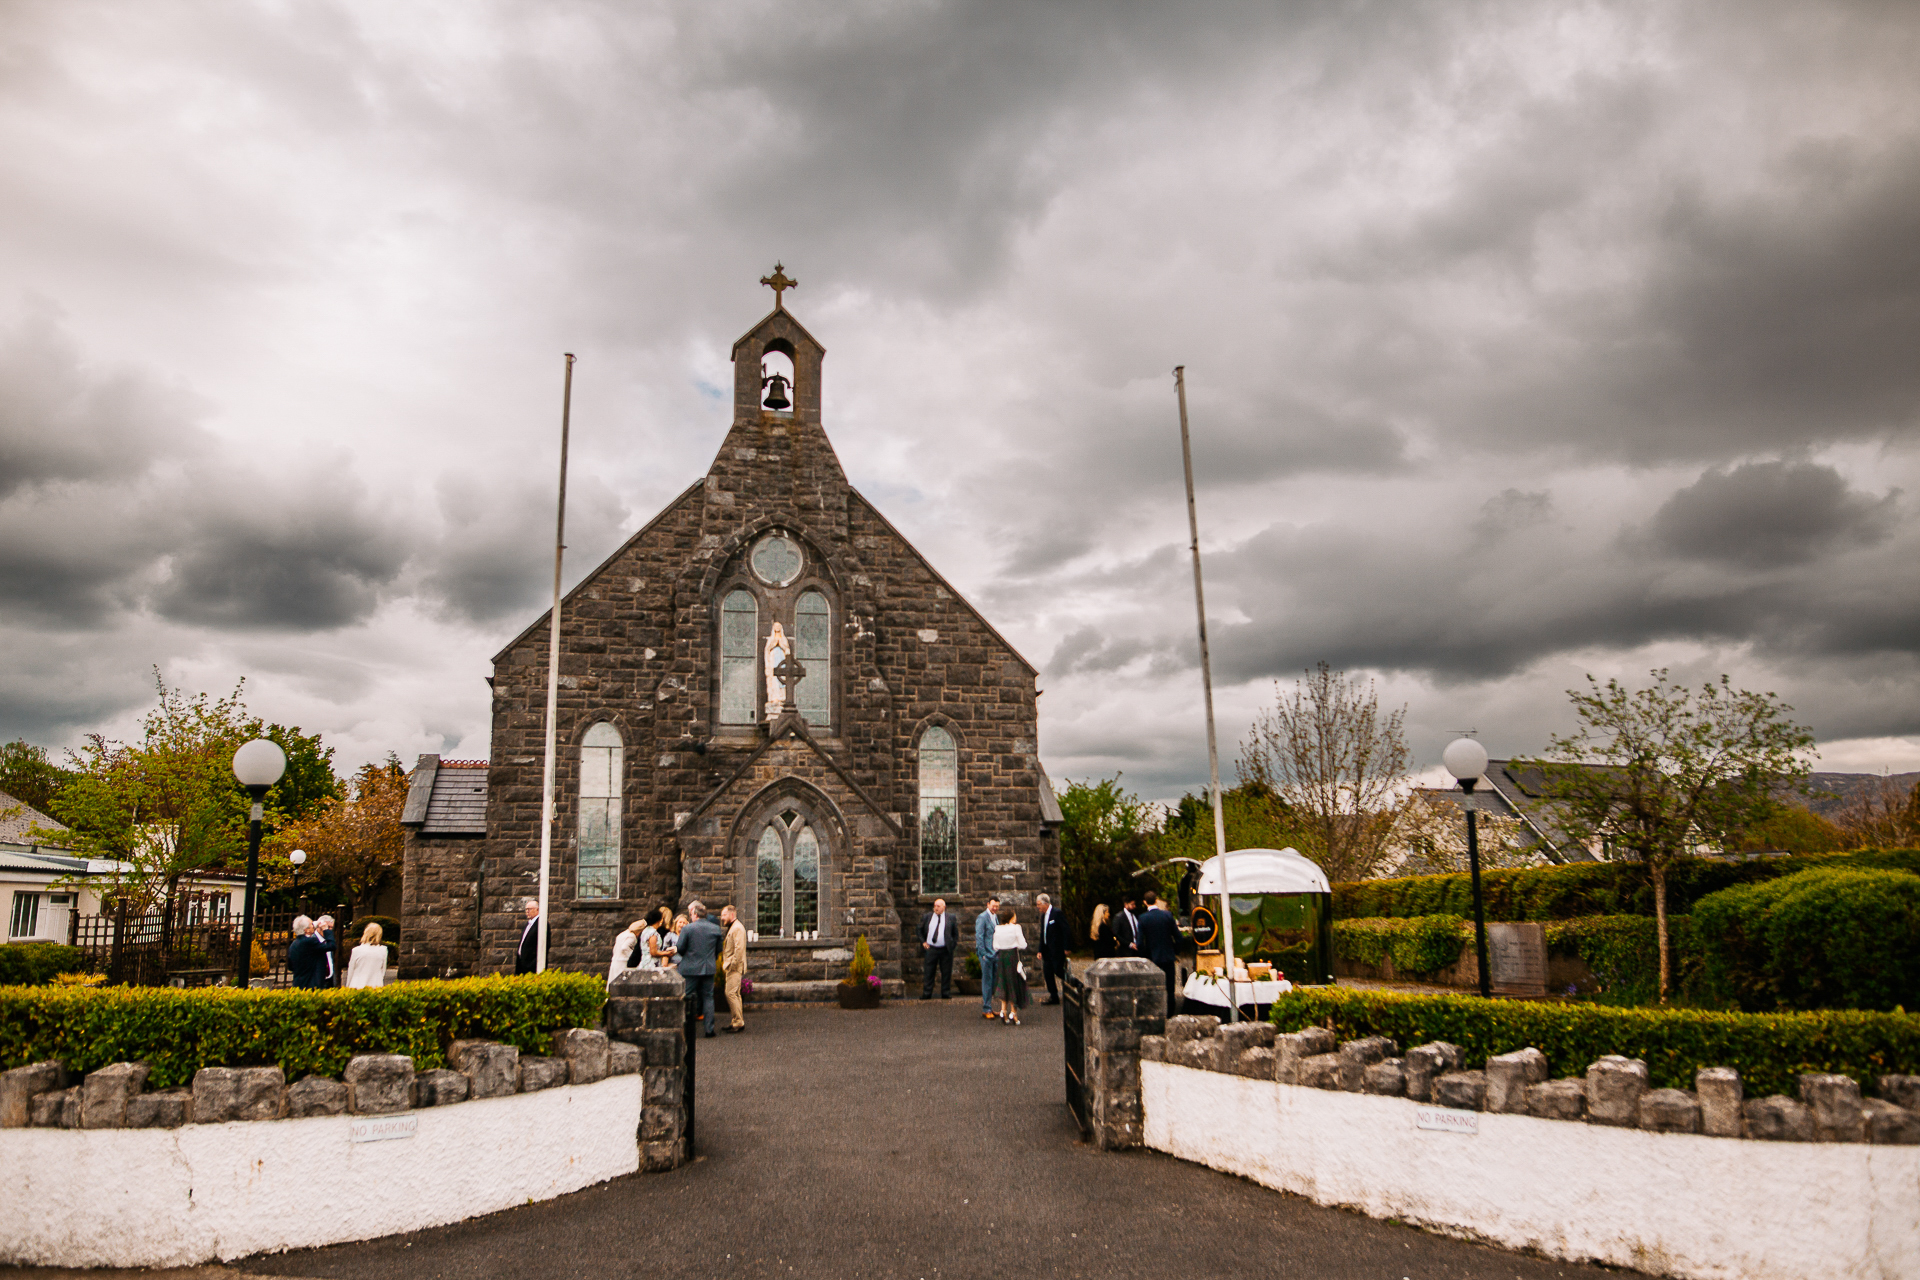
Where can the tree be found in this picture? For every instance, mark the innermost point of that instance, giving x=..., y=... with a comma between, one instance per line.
x=1329, y=754
x=1883, y=817
x=1793, y=828
x=168, y=804
x=1256, y=819
x=30, y=777
x=1662, y=770
x=1105, y=837
x=355, y=840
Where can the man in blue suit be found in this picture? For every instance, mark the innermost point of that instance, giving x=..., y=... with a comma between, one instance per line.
x=1160, y=940
x=983, y=926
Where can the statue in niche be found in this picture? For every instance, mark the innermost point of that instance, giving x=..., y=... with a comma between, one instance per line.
x=777, y=650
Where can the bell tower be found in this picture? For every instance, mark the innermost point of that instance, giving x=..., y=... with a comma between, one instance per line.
x=760, y=381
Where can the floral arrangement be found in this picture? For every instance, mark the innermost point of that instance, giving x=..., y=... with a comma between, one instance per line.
x=873, y=980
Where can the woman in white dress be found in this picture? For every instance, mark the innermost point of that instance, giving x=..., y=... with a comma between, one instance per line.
x=623, y=949
x=367, y=966
x=1009, y=978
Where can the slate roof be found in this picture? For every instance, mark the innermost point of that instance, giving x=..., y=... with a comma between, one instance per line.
x=447, y=798
x=18, y=819
x=1512, y=792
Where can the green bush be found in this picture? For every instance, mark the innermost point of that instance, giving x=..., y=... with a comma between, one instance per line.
x=1586, y=888
x=34, y=964
x=1623, y=952
x=1819, y=939
x=303, y=1032
x=861, y=965
x=1768, y=1049
x=389, y=927
x=1417, y=945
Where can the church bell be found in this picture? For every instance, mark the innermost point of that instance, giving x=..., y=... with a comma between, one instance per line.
x=777, y=392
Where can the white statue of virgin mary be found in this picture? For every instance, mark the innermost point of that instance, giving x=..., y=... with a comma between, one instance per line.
x=777, y=648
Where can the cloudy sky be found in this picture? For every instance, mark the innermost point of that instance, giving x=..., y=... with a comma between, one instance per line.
x=1523, y=341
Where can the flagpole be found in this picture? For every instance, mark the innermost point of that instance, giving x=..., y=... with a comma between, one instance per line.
x=1206, y=681
x=553, y=676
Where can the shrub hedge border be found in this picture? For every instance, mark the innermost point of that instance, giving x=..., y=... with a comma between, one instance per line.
x=1586, y=888
x=177, y=1032
x=1768, y=1049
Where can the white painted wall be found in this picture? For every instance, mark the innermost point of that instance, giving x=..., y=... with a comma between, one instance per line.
x=177, y=1197
x=1672, y=1204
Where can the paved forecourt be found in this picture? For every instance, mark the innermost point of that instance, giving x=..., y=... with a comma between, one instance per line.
x=917, y=1140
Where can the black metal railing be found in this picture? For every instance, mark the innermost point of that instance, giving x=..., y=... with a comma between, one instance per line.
x=1073, y=1021
x=192, y=940
x=693, y=1033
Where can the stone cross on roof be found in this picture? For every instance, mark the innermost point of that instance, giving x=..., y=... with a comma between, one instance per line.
x=790, y=672
x=778, y=282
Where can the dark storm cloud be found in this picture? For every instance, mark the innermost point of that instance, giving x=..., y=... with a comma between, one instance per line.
x=1765, y=514
x=494, y=561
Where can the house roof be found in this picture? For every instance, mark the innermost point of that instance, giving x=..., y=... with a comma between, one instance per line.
x=1510, y=791
x=447, y=797
x=18, y=820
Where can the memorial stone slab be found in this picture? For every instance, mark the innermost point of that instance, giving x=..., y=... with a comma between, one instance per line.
x=1517, y=958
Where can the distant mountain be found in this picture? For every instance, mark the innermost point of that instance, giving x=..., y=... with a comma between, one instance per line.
x=1833, y=792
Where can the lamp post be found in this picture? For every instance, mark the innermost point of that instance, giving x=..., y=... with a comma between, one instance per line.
x=299, y=859
x=258, y=764
x=1467, y=760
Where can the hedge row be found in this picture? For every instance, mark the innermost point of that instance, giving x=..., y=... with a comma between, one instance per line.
x=303, y=1032
x=1417, y=945
x=1623, y=952
x=1768, y=1049
x=1587, y=888
x=34, y=964
x=1830, y=938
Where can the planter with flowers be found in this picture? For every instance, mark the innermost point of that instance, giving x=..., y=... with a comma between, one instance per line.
x=860, y=989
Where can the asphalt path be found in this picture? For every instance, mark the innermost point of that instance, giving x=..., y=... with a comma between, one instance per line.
x=916, y=1140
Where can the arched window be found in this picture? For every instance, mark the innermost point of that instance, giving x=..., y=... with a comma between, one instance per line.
x=739, y=668
x=600, y=774
x=787, y=877
x=813, y=645
x=939, y=812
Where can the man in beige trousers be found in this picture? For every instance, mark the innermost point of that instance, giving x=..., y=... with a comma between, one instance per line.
x=733, y=965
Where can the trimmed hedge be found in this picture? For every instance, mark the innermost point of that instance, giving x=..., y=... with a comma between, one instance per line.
x=1417, y=945
x=303, y=1032
x=1587, y=888
x=1828, y=938
x=34, y=964
x=1768, y=1049
x=1622, y=951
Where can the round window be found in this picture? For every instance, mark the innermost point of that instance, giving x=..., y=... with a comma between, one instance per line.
x=777, y=559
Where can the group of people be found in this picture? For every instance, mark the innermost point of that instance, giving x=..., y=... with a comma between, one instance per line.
x=692, y=945
x=1142, y=927
x=313, y=956
x=999, y=939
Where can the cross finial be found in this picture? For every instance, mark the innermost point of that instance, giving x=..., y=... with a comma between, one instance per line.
x=790, y=672
x=779, y=282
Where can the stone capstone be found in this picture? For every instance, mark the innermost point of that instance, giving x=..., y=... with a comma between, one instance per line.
x=161, y=1109
x=538, y=1073
x=1153, y=1048
x=58, y=1109
x=20, y=1086
x=1191, y=1027
x=1510, y=1075
x=1614, y=1086
x=439, y=1088
x=1357, y=1055
x=1890, y=1126
x=1778, y=1119
x=1387, y=1077
x=492, y=1069
x=1834, y=1101
x=1901, y=1091
x=1558, y=1099
x=623, y=1059
x=1670, y=1111
x=586, y=1053
x=1466, y=1090
x=318, y=1096
x=1255, y=1064
x=1291, y=1049
x=221, y=1094
x=1321, y=1071
x=1721, y=1094
x=1424, y=1062
x=382, y=1083
x=105, y=1092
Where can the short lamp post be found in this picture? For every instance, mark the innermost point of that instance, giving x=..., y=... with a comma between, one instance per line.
x=1467, y=760
x=258, y=764
x=299, y=859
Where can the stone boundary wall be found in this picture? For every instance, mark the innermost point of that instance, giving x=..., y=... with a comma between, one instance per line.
x=1695, y=1183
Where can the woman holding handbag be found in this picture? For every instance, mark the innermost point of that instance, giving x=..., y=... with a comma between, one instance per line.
x=1010, y=976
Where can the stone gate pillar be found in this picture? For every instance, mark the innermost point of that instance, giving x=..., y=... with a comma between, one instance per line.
x=647, y=1008
x=1126, y=999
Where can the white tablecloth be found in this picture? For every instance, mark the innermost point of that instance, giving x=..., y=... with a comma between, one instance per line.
x=1207, y=990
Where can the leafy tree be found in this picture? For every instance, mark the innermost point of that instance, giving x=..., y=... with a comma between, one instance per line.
x=168, y=805
x=1256, y=819
x=354, y=840
x=1657, y=772
x=1105, y=838
x=1794, y=829
x=30, y=777
x=1338, y=763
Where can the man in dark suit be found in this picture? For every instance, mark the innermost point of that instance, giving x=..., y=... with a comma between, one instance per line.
x=1126, y=926
x=306, y=958
x=1053, y=945
x=1160, y=939
x=937, y=941
x=699, y=949
x=323, y=933
x=527, y=959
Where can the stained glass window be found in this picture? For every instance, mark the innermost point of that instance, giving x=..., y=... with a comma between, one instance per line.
x=939, y=812
x=767, y=884
x=776, y=558
x=739, y=669
x=813, y=645
x=600, y=775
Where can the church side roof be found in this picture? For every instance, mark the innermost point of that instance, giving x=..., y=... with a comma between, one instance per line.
x=447, y=797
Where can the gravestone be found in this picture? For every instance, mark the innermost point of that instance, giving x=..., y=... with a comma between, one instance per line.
x=1517, y=958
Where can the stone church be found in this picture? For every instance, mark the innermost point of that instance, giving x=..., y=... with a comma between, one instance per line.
x=768, y=698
